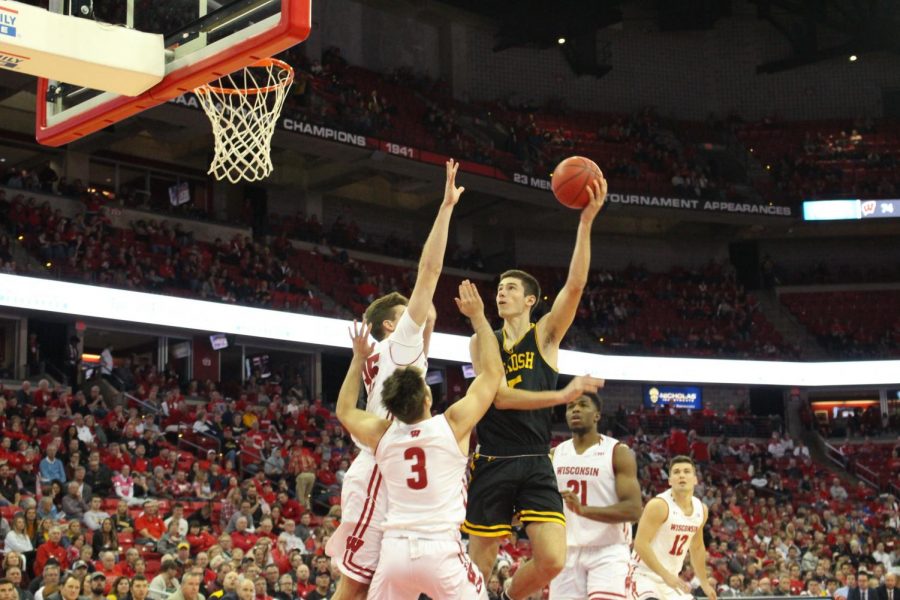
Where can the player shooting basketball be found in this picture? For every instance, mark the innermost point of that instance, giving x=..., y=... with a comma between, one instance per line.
x=512, y=473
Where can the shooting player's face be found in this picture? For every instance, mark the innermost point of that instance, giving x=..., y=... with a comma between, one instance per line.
x=511, y=298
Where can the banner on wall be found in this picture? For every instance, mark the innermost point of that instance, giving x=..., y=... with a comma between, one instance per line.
x=302, y=127
x=679, y=396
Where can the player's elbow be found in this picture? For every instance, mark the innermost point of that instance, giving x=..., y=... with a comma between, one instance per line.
x=633, y=511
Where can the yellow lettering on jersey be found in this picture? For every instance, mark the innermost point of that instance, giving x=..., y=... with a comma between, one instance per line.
x=522, y=360
x=511, y=383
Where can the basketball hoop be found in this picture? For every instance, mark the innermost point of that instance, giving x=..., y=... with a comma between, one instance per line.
x=243, y=108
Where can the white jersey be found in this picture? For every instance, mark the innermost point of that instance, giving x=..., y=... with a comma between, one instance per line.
x=404, y=347
x=592, y=477
x=673, y=538
x=425, y=475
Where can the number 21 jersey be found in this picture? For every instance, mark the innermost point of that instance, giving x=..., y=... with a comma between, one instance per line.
x=592, y=477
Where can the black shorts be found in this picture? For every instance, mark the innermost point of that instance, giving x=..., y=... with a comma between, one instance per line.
x=505, y=487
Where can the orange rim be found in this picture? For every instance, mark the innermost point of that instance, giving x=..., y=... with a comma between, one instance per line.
x=265, y=62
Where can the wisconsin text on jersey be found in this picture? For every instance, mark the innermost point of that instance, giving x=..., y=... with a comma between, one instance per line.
x=683, y=528
x=592, y=471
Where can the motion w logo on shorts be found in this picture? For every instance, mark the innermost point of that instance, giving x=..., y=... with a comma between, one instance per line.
x=354, y=543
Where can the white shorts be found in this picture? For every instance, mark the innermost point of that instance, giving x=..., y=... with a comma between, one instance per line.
x=592, y=572
x=644, y=586
x=440, y=569
x=356, y=542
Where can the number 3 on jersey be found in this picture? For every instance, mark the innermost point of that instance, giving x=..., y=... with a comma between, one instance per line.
x=417, y=455
x=678, y=545
x=370, y=370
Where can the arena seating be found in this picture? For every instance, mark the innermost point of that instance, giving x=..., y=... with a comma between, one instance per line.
x=821, y=159
x=850, y=323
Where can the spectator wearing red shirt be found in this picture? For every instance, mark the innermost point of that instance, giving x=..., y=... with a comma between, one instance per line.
x=51, y=549
x=677, y=442
x=304, y=586
x=149, y=525
x=200, y=539
x=180, y=487
x=290, y=509
x=115, y=459
x=240, y=537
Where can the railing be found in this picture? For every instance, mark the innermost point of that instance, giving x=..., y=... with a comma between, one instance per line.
x=866, y=474
x=150, y=408
x=835, y=455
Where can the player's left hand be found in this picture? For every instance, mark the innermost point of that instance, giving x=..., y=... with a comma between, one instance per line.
x=359, y=335
x=469, y=302
x=710, y=591
x=451, y=192
x=597, y=192
x=572, y=501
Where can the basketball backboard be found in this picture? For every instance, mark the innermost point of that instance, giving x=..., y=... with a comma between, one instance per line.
x=204, y=40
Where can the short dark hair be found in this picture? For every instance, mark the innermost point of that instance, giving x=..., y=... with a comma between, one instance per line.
x=529, y=283
x=65, y=579
x=403, y=393
x=138, y=578
x=681, y=458
x=596, y=399
x=5, y=581
x=382, y=309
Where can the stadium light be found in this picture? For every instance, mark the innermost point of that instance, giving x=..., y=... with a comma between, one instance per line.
x=561, y=41
x=853, y=58
x=79, y=300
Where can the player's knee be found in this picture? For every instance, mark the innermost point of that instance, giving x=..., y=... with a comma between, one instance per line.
x=551, y=563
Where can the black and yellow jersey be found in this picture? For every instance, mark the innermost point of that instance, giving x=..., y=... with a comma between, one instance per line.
x=512, y=432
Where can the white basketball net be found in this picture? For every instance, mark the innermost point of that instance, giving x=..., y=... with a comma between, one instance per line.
x=243, y=108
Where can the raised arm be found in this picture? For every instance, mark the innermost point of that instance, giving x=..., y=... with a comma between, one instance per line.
x=432, y=259
x=365, y=427
x=628, y=508
x=655, y=514
x=553, y=326
x=465, y=414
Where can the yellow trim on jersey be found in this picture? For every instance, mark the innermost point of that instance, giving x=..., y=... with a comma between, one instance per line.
x=546, y=513
x=511, y=351
x=525, y=519
x=486, y=531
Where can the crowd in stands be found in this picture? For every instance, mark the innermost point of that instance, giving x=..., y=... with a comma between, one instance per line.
x=638, y=152
x=842, y=158
x=108, y=487
x=704, y=312
x=105, y=491
x=850, y=324
x=694, y=312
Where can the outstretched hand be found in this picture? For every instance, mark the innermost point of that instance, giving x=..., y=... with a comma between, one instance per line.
x=469, y=302
x=451, y=192
x=579, y=386
x=597, y=192
x=359, y=335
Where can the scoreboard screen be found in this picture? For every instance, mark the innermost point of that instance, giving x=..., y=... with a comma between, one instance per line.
x=842, y=210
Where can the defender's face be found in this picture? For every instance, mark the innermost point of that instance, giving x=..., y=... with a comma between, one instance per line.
x=682, y=477
x=581, y=414
x=511, y=298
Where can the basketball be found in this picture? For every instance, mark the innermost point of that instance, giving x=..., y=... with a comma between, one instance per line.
x=570, y=180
